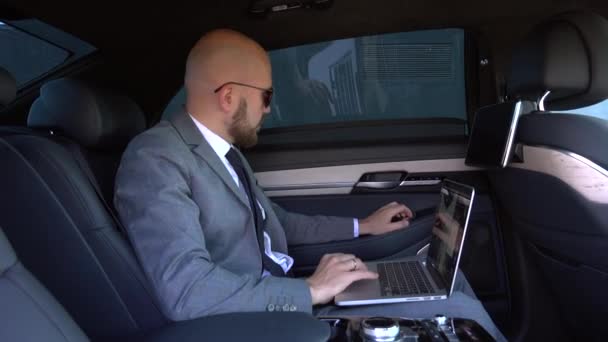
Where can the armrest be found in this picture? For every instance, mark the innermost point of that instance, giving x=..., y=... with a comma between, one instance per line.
x=404, y=242
x=245, y=326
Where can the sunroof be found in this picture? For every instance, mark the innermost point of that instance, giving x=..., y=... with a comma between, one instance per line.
x=32, y=49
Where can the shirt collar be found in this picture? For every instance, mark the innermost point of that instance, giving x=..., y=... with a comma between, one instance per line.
x=218, y=144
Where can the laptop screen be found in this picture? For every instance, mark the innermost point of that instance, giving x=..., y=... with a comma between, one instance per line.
x=449, y=229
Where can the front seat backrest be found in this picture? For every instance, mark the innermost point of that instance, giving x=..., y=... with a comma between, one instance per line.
x=28, y=311
x=557, y=197
x=53, y=215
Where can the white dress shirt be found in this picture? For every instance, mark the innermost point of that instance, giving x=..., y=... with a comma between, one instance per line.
x=221, y=147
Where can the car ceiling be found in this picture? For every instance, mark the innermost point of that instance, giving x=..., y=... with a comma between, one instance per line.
x=146, y=43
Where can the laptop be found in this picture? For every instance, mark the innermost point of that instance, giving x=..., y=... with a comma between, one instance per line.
x=415, y=278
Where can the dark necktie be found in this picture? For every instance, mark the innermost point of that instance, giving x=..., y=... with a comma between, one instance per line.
x=238, y=167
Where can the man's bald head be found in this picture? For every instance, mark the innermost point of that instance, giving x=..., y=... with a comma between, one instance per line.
x=225, y=55
x=227, y=77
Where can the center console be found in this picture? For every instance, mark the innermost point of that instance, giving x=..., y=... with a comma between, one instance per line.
x=387, y=329
x=303, y=327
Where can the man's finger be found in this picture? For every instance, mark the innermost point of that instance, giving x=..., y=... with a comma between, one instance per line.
x=408, y=212
x=362, y=266
x=398, y=225
x=331, y=258
x=388, y=205
x=399, y=209
x=347, y=265
x=361, y=274
x=328, y=255
x=343, y=257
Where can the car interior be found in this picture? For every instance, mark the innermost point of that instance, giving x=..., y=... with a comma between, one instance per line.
x=375, y=102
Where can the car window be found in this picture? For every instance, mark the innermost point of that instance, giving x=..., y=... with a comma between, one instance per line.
x=381, y=77
x=31, y=49
x=396, y=86
x=598, y=110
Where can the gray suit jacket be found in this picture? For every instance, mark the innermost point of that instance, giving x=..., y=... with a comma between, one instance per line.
x=193, y=231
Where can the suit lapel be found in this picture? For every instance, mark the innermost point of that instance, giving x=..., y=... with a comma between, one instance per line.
x=199, y=146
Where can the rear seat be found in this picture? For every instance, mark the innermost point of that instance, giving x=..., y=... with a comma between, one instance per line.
x=50, y=208
x=28, y=312
x=67, y=236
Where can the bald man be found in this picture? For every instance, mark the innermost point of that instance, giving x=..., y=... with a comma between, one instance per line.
x=208, y=238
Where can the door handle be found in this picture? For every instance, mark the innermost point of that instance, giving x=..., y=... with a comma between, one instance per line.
x=386, y=180
x=386, y=185
x=393, y=180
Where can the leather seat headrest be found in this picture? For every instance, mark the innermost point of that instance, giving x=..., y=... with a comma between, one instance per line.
x=93, y=117
x=565, y=55
x=8, y=87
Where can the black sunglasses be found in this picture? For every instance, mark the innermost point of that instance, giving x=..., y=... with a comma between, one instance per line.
x=266, y=93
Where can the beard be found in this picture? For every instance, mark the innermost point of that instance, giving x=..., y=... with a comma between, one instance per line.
x=243, y=133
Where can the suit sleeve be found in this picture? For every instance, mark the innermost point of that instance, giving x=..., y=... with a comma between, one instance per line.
x=154, y=202
x=306, y=229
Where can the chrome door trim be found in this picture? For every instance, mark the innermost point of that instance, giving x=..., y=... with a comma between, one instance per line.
x=334, y=185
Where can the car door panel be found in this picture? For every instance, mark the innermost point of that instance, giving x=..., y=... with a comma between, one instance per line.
x=328, y=181
x=333, y=191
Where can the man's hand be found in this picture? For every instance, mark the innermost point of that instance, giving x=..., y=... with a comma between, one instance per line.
x=380, y=221
x=334, y=273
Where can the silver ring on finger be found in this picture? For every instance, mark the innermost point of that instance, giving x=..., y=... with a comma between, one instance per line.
x=354, y=265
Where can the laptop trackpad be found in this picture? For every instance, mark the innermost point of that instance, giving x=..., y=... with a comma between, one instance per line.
x=362, y=289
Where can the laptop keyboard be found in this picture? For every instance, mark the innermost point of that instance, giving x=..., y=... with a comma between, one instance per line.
x=402, y=278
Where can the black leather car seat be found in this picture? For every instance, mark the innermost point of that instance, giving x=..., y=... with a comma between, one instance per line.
x=62, y=226
x=28, y=311
x=558, y=196
x=57, y=220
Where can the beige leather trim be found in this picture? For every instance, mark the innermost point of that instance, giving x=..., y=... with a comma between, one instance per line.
x=584, y=176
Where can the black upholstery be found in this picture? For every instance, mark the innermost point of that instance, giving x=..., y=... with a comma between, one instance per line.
x=584, y=135
x=565, y=55
x=8, y=87
x=245, y=326
x=561, y=218
x=62, y=230
x=64, y=234
x=94, y=118
x=28, y=312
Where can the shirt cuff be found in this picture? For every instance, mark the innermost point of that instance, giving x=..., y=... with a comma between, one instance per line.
x=356, y=227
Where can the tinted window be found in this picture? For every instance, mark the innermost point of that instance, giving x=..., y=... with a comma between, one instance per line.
x=390, y=76
x=367, y=89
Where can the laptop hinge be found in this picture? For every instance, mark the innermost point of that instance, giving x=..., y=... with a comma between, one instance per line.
x=436, y=277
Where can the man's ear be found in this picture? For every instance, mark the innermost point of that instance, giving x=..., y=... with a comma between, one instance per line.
x=226, y=98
